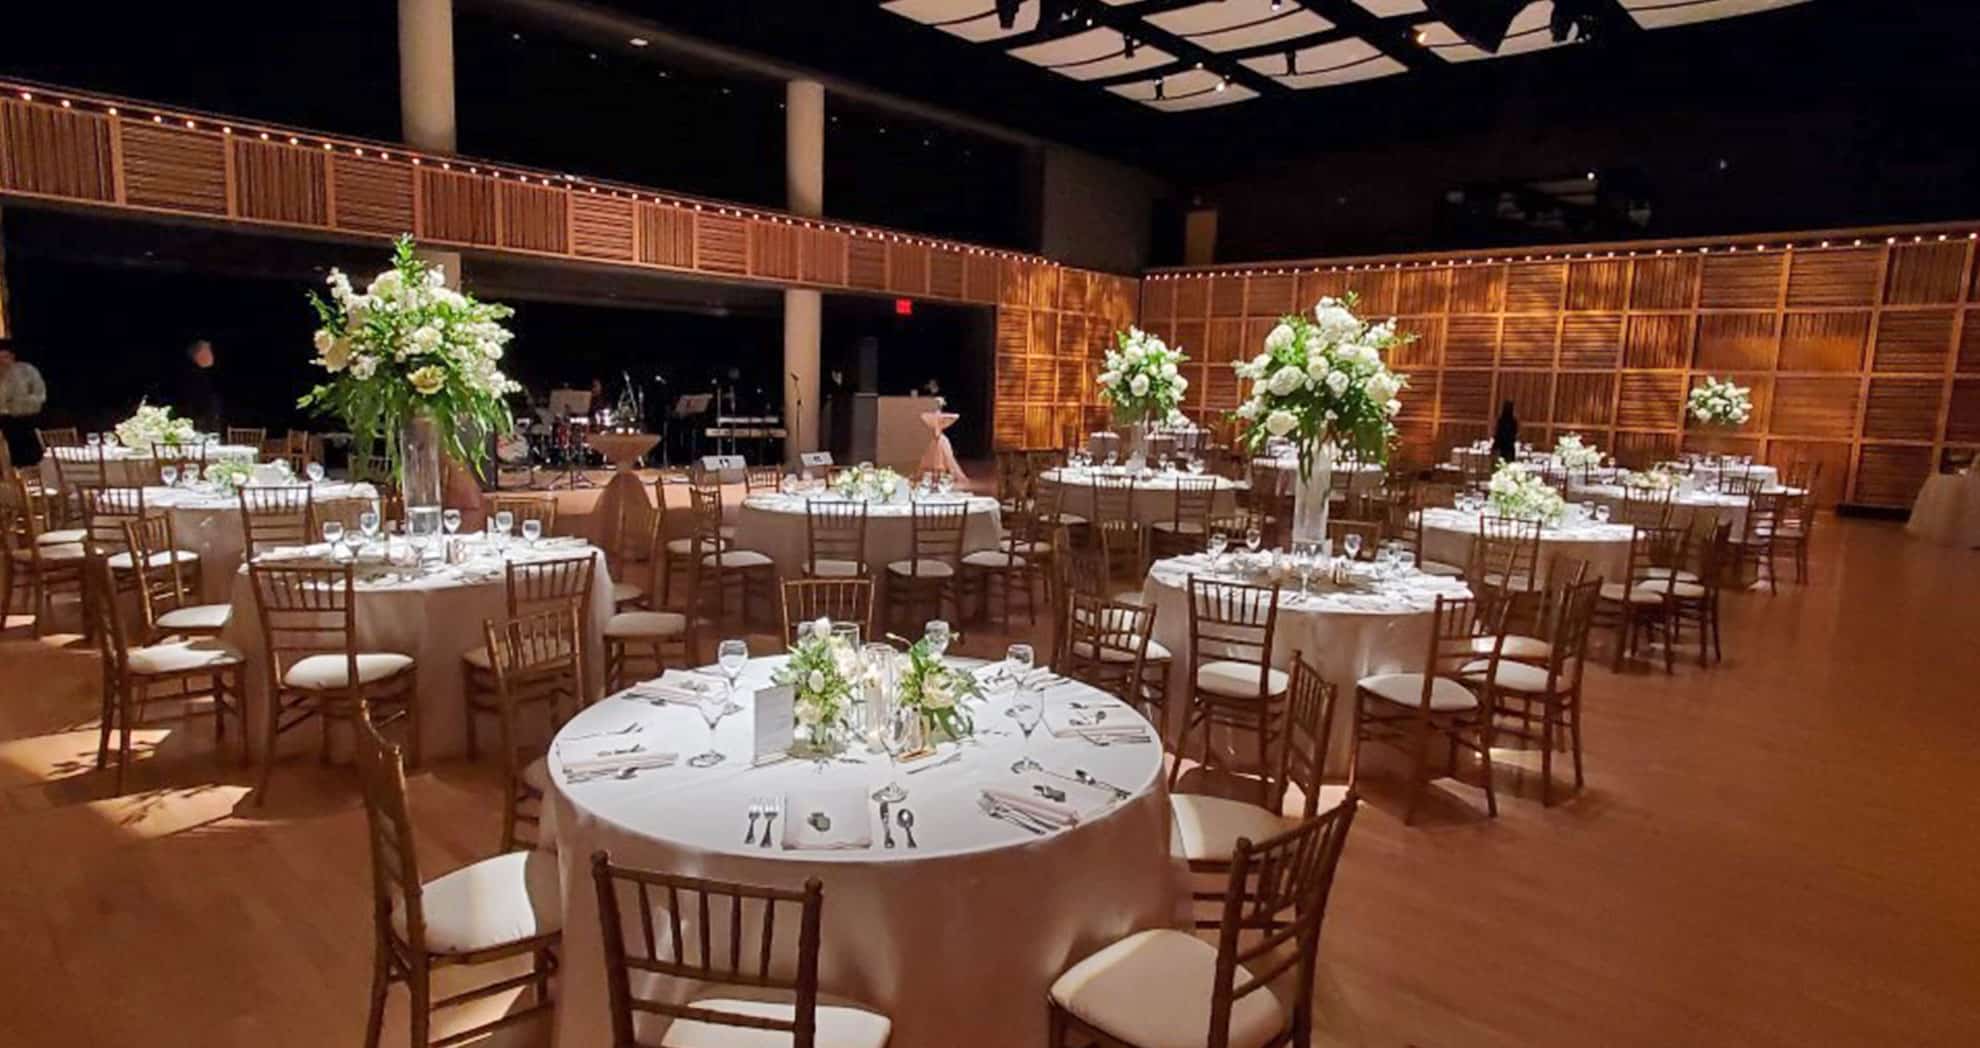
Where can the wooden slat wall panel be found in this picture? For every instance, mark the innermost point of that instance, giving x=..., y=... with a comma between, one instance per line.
x=1592, y=340
x=1072, y=291
x=1466, y=395
x=1664, y=283
x=1824, y=341
x=165, y=167
x=907, y=269
x=1657, y=340
x=1741, y=281
x=666, y=235
x=1227, y=298
x=602, y=228
x=1426, y=351
x=1737, y=341
x=278, y=182
x=1914, y=340
x=1377, y=292
x=1535, y=287
x=1532, y=394
x=1271, y=297
x=1048, y=353
x=1642, y=450
x=1834, y=278
x=1600, y=285
x=534, y=217
x=1890, y=475
x=1527, y=342
x=1471, y=342
x=56, y=152
x=1901, y=409
x=1650, y=400
x=866, y=267
x=1963, y=412
x=1417, y=291
x=373, y=196
x=721, y=244
x=456, y=208
x=1815, y=407
x=980, y=279
x=774, y=251
x=1925, y=273
x=1478, y=289
x=945, y=274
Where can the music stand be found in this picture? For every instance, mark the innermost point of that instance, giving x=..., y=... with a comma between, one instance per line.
x=686, y=406
x=569, y=404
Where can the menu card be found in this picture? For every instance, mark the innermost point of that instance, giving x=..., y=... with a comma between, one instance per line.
x=775, y=723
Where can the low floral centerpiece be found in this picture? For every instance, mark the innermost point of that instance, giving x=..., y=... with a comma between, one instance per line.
x=864, y=483
x=1571, y=453
x=1142, y=381
x=1651, y=480
x=821, y=672
x=229, y=474
x=935, y=689
x=154, y=424
x=1322, y=384
x=1517, y=491
x=416, y=364
x=1719, y=402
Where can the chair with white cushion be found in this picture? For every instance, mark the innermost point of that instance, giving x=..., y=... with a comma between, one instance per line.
x=510, y=905
x=1233, y=684
x=1694, y=596
x=276, y=516
x=1408, y=710
x=315, y=670
x=1760, y=544
x=1015, y=566
x=716, y=564
x=1403, y=522
x=1189, y=525
x=1163, y=988
x=530, y=586
x=1110, y=645
x=173, y=671
x=841, y=600
x=1639, y=603
x=928, y=578
x=1208, y=827
x=48, y=568
x=1549, y=691
x=1506, y=554
x=732, y=979
x=105, y=512
x=649, y=637
x=166, y=601
x=835, y=538
x=537, y=660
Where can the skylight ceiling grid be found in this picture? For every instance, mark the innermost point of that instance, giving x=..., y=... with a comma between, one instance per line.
x=1177, y=55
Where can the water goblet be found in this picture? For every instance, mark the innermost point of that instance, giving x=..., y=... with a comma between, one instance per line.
x=1253, y=538
x=1218, y=543
x=1602, y=513
x=168, y=475
x=531, y=531
x=1195, y=466
x=505, y=523
x=93, y=440
x=896, y=730
x=333, y=533
x=368, y=523
x=1018, y=660
x=314, y=471
x=1028, y=709
x=1112, y=457
x=936, y=632
x=711, y=707
x=450, y=519
x=1351, y=544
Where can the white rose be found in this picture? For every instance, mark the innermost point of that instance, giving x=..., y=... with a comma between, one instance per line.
x=1317, y=370
x=1393, y=407
x=1336, y=323
x=1169, y=370
x=821, y=627
x=1133, y=354
x=1138, y=385
x=1108, y=378
x=816, y=682
x=1249, y=410
x=1337, y=382
x=1280, y=423
x=324, y=340
x=363, y=366
x=338, y=356
x=1287, y=380
x=1281, y=338
x=936, y=694
x=1181, y=383
x=1381, y=386
x=809, y=714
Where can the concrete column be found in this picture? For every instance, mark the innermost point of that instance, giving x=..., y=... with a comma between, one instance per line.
x=426, y=93
x=804, y=182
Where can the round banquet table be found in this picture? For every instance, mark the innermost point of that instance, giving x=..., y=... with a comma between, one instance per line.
x=131, y=467
x=774, y=525
x=1350, y=631
x=1768, y=476
x=956, y=940
x=209, y=524
x=1947, y=511
x=435, y=616
x=1685, y=505
x=1448, y=535
x=1154, y=492
x=1360, y=480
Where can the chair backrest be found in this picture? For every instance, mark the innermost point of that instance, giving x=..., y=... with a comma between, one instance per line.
x=1309, y=726
x=60, y=437
x=1123, y=552
x=277, y=516
x=536, y=585
x=105, y=511
x=1290, y=873
x=20, y=519
x=762, y=480
x=536, y=655
x=1233, y=622
x=1573, y=620
x=1104, y=636
x=1113, y=498
x=705, y=509
x=1455, y=623
x=938, y=532
x=835, y=529
x=247, y=436
x=305, y=610
x=1196, y=497
x=1649, y=507
x=709, y=933
x=1655, y=554
x=79, y=466
x=188, y=459
x=1764, y=510
x=161, y=586
x=539, y=508
x=1013, y=477
x=841, y=600
x=106, y=617
x=1508, y=547
x=395, y=881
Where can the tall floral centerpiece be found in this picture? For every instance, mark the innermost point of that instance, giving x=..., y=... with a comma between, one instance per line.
x=1322, y=384
x=1719, y=402
x=1571, y=452
x=415, y=363
x=1142, y=381
x=1517, y=491
x=154, y=424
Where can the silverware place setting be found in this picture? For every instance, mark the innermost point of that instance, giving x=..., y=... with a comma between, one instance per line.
x=1006, y=813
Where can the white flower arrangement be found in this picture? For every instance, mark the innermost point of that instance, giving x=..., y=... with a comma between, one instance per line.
x=1651, y=480
x=864, y=483
x=1572, y=453
x=154, y=425
x=1718, y=402
x=229, y=474
x=820, y=673
x=407, y=346
x=1142, y=379
x=1324, y=381
x=935, y=690
x=1517, y=491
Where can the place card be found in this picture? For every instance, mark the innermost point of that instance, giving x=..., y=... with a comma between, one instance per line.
x=721, y=463
x=775, y=723
x=814, y=458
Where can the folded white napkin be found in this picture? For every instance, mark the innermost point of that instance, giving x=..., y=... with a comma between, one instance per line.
x=614, y=760
x=847, y=820
x=1050, y=812
x=1125, y=731
x=678, y=686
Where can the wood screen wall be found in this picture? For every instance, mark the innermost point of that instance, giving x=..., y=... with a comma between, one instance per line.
x=1053, y=326
x=1860, y=346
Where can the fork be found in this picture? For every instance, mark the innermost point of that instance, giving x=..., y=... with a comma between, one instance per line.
x=755, y=812
x=769, y=818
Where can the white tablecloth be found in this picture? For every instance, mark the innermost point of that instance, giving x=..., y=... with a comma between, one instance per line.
x=1768, y=476
x=436, y=618
x=1347, y=482
x=1684, y=504
x=1947, y=511
x=210, y=525
x=1448, y=535
x=1154, y=493
x=956, y=940
x=1349, y=632
x=774, y=525
x=130, y=467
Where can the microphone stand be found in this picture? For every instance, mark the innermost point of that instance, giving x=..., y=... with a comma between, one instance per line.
x=793, y=435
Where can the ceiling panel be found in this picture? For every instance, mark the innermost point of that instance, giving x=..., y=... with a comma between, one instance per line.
x=1340, y=62
x=1658, y=14
x=1225, y=25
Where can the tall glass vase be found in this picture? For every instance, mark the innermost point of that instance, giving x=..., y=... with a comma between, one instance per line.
x=419, y=478
x=1135, y=454
x=1312, y=485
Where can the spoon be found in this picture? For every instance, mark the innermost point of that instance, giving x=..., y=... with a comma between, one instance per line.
x=1088, y=778
x=907, y=826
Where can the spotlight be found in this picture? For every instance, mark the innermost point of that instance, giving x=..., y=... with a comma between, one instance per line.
x=1224, y=83
x=1007, y=12
x=1158, y=87
x=1292, y=61
x=1579, y=19
x=1128, y=45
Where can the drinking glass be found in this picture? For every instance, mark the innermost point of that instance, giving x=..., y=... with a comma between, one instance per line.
x=1351, y=544
x=1602, y=513
x=1165, y=465
x=1253, y=537
x=93, y=440
x=1027, y=708
x=314, y=471
x=449, y=519
x=532, y=530
x=712, y=708
x=1019, y=658
x=936, y=631
x=1112, y=457
x=945, y=484
x=368, y=523
x=1303, y=556
x=1219, y=542
x=1195, y=466
x=731, y=655
x=333, y=533
x=895, y=731
x=168, y=475
x=505, y=522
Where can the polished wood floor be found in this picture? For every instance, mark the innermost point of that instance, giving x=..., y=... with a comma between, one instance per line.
x=1780, y=851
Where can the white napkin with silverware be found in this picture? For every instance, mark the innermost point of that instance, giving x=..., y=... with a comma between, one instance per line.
x=677, y=686
x=1050, y=812
x=614, y=760
x=827, y=820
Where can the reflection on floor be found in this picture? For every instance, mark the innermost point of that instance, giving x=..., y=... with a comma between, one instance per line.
x=1779, y=851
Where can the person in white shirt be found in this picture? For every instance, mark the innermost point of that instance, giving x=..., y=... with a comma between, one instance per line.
x=22, y=392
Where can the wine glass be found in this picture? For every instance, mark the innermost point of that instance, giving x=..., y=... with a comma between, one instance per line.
x=333, y=533
x=532, y=530
x=1351, y=544
x=936, y=632
x=450, y=519
x=1027, y=708
x=1195, y=465
x=945, y=484
x=168, y=475
x=505, y=522
x=1219, y=542
x=368, y=523
x=1019, y=659
x=1602, y=513
x=1253, y=538
x=93, y=440
x=712, y=707
x=731, y=655
x=895, y=731
x=314, y=471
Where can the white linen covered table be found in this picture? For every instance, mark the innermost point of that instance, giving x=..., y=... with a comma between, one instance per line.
x=1449, y=533
x=1711, y=469
x=209, y=524
x=130, y=467
x=1347, y=482
x=1154, y=492
x=956, y=940
x=774, y=525
x=1685, y=505
x=1365, y=627
x=435, y=617
x=1947, y=511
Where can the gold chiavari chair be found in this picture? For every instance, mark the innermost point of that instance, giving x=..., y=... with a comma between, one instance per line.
x=735, y=981
x=1271, y=499
x=1508, y=549
x=1563, y=573
x=1408, y=710
x=928, y=578
x=168, y=605
x=716, y=564
x=105, y=512
x=1006, y=569
x=188, y=459
x=530, y=587
x=51, y=568
x=835, y=538
x=1074, y=570
x=1760, y=544
x=1186, y=529
x=535, y=660
x=1402, y=522
x=1553, y=685
x=60, y=437
x=77, y=467
x=1111, y=498
x=1233, y=684
x=247, y=437
x=1694, y=596
x=840, y=599
x=1124, y=557
x=277, y=517
x=658, y=634
x=509, y=905
x=295, y=449
x=134, y=676
x=314, y=668
x=1641, y=601
x=1108, y=645
x=1208, y=828
x=762, y=480
x=1645, y=507
x=1013, y=480
x=1224, y=995
x=1796, y=522
x=539, y=508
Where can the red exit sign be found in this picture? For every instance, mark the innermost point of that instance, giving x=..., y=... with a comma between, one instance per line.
x=904, y=307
